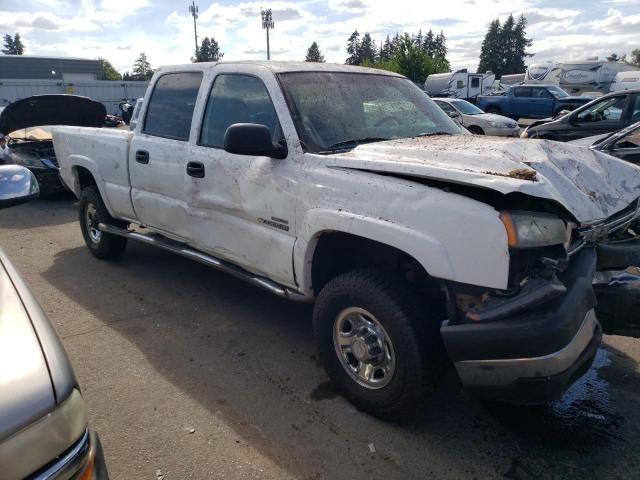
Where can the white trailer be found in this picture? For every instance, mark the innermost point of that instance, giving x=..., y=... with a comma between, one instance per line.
x=590, y=76
x=543, y=73
x=629, y=80
x=459, y=84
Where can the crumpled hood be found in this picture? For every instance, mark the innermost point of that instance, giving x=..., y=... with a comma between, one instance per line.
x=60, y=109
x=590, y=185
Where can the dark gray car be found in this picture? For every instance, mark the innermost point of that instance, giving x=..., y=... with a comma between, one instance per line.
x=44, y=432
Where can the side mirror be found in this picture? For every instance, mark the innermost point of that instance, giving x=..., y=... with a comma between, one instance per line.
x=572, y=118
x=17, y=185
x=562, y=113
x=252, y=139
x=454, y=115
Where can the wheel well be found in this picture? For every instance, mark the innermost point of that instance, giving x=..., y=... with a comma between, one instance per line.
x=85, y=178
x=337, y=253
x=475, y=129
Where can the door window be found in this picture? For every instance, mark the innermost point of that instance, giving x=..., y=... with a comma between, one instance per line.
x=635, y=111
x=522, y=92
x=632, y=140
x=171, y=105
x=459, y=84
x=236, y=98
x=445, y=107
x=475, y=82
x=610, y=109
x=541, y=93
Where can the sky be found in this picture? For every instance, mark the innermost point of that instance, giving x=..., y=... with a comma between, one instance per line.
x=119, y=30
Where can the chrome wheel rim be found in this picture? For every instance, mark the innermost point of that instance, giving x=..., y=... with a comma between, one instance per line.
x=364, y=348
x=91, y=221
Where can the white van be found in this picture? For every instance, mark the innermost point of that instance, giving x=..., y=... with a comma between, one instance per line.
x=459, y=84
x=626, y=81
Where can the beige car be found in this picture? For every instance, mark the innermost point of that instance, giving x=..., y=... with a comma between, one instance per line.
x=44, y=433
x=476, y=120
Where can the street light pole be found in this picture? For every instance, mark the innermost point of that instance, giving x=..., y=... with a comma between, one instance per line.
x=267, y=24
x=193, y=9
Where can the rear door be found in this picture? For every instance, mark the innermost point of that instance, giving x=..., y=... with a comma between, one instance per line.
x=519, y=105
x=158, y=154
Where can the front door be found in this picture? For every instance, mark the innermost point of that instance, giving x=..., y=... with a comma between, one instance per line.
x=475, y=86
x=243, y=207
x=159, y=153
x=542, y=103
x=604, y=116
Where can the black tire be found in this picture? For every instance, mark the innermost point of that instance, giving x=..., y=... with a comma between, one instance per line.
x=493, y=109
x=104, y=245
x=389, y=299
x=476, y=130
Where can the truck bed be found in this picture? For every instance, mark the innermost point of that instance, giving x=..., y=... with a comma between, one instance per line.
x=102, y=151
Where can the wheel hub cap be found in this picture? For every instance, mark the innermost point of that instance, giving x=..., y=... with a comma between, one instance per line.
x=92, y=221
x=364, y=348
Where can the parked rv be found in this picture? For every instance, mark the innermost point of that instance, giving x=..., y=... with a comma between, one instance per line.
x=591, y=76
x=629, y=80
x=459, y=84
x=547, y=73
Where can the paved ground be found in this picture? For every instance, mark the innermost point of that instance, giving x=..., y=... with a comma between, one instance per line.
x=190, y=373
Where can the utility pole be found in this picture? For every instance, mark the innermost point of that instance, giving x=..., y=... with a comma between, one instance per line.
x=267, y=24
x=193, y=9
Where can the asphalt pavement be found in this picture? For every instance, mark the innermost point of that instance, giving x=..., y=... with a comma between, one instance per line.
x=192, y=374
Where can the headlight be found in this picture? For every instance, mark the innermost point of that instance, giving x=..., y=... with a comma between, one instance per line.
x=532, y=229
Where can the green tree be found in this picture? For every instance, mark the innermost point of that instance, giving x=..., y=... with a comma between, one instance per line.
x=353, y=49
x=635, y=57
x=504, y=48
x=385, y=50
x=108, y=72
x=13, y=45
x=314, y=54
x=142, y=68
x=209, y=51
x=428, y=43
x=368, y=49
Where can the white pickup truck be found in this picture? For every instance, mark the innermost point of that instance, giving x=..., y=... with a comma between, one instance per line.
x=348, y=186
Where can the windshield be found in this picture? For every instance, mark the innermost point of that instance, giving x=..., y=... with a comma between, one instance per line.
x=336, y=111
x=557, y=92
x=465, y=107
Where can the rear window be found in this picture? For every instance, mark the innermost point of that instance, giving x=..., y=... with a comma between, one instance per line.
x=170, y=109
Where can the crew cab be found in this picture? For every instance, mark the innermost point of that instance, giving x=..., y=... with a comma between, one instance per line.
x=530, y=101
x=419, y=242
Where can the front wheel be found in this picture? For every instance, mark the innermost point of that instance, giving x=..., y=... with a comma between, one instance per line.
x=367, y=326
x=92, y=212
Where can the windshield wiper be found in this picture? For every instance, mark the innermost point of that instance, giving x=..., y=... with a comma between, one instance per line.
x=355, y=142
x=431, y=134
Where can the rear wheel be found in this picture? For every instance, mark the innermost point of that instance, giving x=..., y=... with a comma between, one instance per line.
x=92, y=212
x=372, y=342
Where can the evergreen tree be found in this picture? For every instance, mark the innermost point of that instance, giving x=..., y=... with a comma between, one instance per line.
x=108, y=72
x=440, y=46
x=209, y=51
x=367, y=49
x=353, y=49
x=419, y=38
x=428, y=43
x=635, y=57
x=314, y=54
x=13, y=45
x=491, y=51
x=142, y=68
x=385, y=49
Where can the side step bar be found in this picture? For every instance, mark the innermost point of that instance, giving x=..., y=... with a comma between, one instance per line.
x=160, y=241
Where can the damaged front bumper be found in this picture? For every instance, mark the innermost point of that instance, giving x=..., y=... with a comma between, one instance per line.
x=532, y=355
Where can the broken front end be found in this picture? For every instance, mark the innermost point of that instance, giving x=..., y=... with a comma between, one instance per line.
x=567, y=285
